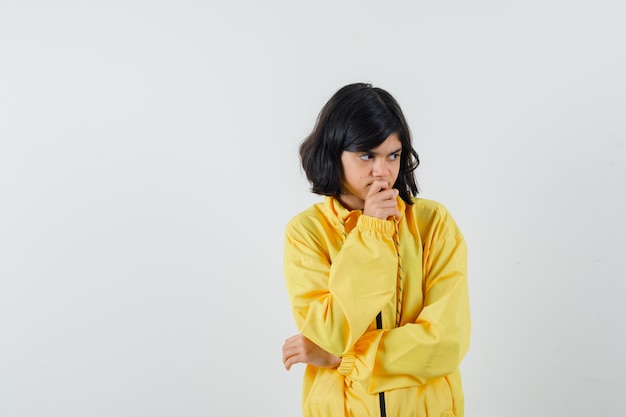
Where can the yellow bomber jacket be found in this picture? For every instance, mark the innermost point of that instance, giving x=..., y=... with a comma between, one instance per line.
x=390, y=297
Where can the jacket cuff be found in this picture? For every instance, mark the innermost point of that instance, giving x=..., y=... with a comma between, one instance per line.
x=347, y=363
x=375, y=224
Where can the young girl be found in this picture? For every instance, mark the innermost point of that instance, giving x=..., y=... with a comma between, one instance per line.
x=377, y=278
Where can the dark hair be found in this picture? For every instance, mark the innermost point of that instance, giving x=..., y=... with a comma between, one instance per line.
x=357, y=118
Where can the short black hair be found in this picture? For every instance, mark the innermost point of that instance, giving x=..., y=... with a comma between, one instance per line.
x=357, y=118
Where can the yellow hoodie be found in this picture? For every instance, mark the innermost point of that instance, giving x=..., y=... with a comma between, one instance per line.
x=390, y=298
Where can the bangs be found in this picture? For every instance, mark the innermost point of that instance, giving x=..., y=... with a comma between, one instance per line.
x=369, y=133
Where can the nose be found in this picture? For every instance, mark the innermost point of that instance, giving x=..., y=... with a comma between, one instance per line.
x=380, y=168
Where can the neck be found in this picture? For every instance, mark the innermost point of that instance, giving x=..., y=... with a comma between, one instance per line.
x=351, y=202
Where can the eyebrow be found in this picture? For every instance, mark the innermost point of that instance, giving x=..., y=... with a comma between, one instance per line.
x=390, y=153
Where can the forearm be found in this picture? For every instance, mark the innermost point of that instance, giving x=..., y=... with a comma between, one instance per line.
x=415, y=353
x=333, y=304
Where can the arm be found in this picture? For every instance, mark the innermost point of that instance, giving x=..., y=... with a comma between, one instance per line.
x=333, y=304
x=432, y=346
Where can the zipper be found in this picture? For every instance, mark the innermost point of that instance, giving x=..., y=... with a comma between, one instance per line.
x=381, y=395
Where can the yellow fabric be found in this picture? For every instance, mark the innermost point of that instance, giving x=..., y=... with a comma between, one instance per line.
x=341, y=270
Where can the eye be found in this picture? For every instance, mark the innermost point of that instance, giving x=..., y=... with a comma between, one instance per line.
x=394, y=156
x=366, y=156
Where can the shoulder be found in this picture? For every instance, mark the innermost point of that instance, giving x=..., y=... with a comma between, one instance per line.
x=428, y=208
x=425, y=204
x=309, y=230
x=432, y=217
x=309, y=221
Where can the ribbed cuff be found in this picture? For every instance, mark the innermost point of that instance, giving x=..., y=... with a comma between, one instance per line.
x=375, y=224
x=347, y=363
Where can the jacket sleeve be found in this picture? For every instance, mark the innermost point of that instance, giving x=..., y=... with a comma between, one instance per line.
x=432, y=346
x=334, y=303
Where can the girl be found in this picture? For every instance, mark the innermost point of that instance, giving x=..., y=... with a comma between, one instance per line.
x=377, y=278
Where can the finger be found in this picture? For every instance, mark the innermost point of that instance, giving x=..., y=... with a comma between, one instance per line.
x=287, y=364
x=293, y=341
x=387, y=197
x=293, y=338
x=287, y=356
x=387, y=207
x=384, y=185
x=292, y=360
x=376, y=187
x=290, y=351
x=390, y=194
x=383, y=195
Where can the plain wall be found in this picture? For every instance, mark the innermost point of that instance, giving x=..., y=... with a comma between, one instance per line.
x=148, y=166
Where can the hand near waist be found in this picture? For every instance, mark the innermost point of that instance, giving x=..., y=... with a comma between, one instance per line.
x=299, y=349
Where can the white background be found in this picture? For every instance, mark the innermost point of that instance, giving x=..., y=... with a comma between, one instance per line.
x=148, y=166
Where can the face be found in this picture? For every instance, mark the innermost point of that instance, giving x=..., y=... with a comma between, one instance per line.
x=361, y=169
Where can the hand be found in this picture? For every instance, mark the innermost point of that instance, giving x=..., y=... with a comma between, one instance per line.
x=380, y=201
x=299, y=349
